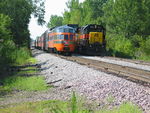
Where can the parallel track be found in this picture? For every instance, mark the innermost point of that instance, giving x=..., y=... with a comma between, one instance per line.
x=129, y=60
x=136, y=75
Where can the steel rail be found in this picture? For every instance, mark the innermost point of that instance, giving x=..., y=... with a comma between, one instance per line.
x=130, y=73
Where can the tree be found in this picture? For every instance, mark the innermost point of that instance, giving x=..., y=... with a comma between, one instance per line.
x=92, y=11
x=6, y=43
x=55, y=21
x=74, y=13
x=20, y=12
x=127, y=17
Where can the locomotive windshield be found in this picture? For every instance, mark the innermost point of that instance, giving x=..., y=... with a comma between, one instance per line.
x=64, y=29
x=68, y=30
x=92, y=28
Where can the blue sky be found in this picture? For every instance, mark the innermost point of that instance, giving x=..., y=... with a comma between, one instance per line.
x=52, y=7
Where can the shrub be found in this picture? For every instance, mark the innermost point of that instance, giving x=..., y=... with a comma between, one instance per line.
x=120, y=46
x=21, y=55
x=143, y=53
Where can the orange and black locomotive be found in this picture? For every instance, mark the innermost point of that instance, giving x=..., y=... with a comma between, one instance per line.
x=90, y=39
x=58, y=39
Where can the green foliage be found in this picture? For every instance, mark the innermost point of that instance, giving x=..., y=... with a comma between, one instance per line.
x=120, y=45
x=20, y=55
x=6, y=43
x=19, y=11
x=143, y=52
x=145, y=46
x=92, y=11
x=127, y=19
x=5, y=22
x=32, y=83
x=74, y=103
x=123, y=108
x=32, y=60
x=55, y=106
x=74, y=13
x=14, y=34
x=55, y=21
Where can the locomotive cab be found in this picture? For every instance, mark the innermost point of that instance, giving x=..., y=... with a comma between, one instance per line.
x=92, y=39
x=62, y=39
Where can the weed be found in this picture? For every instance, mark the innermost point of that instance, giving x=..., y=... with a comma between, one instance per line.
x=56, y=106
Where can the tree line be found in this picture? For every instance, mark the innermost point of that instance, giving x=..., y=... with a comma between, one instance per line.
x=126, y=21
x=14, y=34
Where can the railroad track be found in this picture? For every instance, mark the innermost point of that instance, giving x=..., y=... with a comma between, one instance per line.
x=129, y=60
x=133, y=74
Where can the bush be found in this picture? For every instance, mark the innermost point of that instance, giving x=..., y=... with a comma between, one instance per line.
x=20, y=55
x=6, y=43
x=144, y=50
x=120, y=46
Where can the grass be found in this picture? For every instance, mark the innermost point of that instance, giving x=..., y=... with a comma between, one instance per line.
x=33, y=83
x=123, y=108
x=28, y=70
x=72, y=106
x=36, y=107
x=26, y=79
x=31, y=60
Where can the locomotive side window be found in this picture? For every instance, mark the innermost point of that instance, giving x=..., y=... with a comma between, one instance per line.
x=66, y=37
x=62, y=37
x=71, y=37
x=55, y=37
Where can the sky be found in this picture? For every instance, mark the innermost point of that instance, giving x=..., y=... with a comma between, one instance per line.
x=52, y=7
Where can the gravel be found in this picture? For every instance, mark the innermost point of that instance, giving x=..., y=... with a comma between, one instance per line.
x=97, y=86
x=93, y=84
x=123, y=63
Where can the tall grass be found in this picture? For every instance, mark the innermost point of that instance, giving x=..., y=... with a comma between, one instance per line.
x=21, y=55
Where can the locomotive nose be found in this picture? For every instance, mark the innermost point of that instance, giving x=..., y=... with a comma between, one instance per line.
x=66, y=43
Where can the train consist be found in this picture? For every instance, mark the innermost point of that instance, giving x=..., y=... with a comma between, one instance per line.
x=58, y=40
x=67, y=39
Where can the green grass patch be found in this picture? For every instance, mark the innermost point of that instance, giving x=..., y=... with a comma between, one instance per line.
x=123, y=108
x=27, y=70
x=26, y=79
x=37, y=107
x=33, y=83
x=31, y=60
x=55, y=106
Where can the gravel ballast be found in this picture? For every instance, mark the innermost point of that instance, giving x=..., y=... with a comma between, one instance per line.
x=67, y=76
x=93, y=84
x=122, y=63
